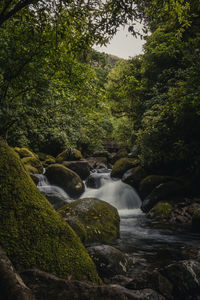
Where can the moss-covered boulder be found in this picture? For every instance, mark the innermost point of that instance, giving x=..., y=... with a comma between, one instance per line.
x=32, y=234
x=24, y=152
x=150, y=182
x=92, y=219
x=32, y=165
x=65, y=178
x=69, y=154
x=196, y=221
x=122, y=165
x=162, y=193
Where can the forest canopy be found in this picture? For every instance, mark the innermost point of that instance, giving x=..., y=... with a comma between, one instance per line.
x=57, y=92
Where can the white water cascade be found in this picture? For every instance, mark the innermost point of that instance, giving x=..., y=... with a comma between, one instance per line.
x=115, y=192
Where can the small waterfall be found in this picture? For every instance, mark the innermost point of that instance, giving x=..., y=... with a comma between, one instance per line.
x=115, y=192
x=56, y=195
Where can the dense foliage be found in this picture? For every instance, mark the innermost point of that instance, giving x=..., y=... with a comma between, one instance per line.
x=56, y=92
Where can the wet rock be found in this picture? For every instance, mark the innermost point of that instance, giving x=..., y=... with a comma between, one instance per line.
x=80, y=167
x=109, y=260
x=101, y=154
x=152, y=280
x=134, y=176
x=65, y=178
x=185, y=277
x=32, y=165
x=122, y=165
x=12, y=286
x=57, y=201
x=46, y=286
x=120, y=280
x=95, y=180
x=92, y=219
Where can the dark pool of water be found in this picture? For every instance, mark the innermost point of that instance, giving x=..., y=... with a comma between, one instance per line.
x=150, y=245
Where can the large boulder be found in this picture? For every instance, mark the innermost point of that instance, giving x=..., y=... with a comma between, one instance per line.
x=150, y=182
x=32, y=234
x=122, y=165
x=65, y=178
x=69, y=154
x=134, y=176
x=81, y=167
x=92, y=219
x=12, y=286
x=109, y=260
x=163, y=192
x=185, y=278
x=46, y=286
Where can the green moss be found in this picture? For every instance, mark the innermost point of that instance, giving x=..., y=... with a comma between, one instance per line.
x=93, y=220
x=32, y=162
x=69, y=154
x=161, y=210
x=24, y=152
x=31, y=231
x=122, y=165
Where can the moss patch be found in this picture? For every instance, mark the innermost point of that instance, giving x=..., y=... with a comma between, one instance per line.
x=161, y=210
x=93, y=220
x=31, y=231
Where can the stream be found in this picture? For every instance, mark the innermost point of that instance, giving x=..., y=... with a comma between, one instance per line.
x=149, y=244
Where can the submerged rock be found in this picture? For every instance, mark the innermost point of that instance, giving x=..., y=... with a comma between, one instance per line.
x=109, y=260
x=46, y=286
x=31, y=232
x=92, y=219
x=65, y=178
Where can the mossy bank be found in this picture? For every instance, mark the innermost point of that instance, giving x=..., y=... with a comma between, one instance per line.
x=31, y=232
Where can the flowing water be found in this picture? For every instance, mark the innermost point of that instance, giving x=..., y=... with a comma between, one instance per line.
x=149, y=245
